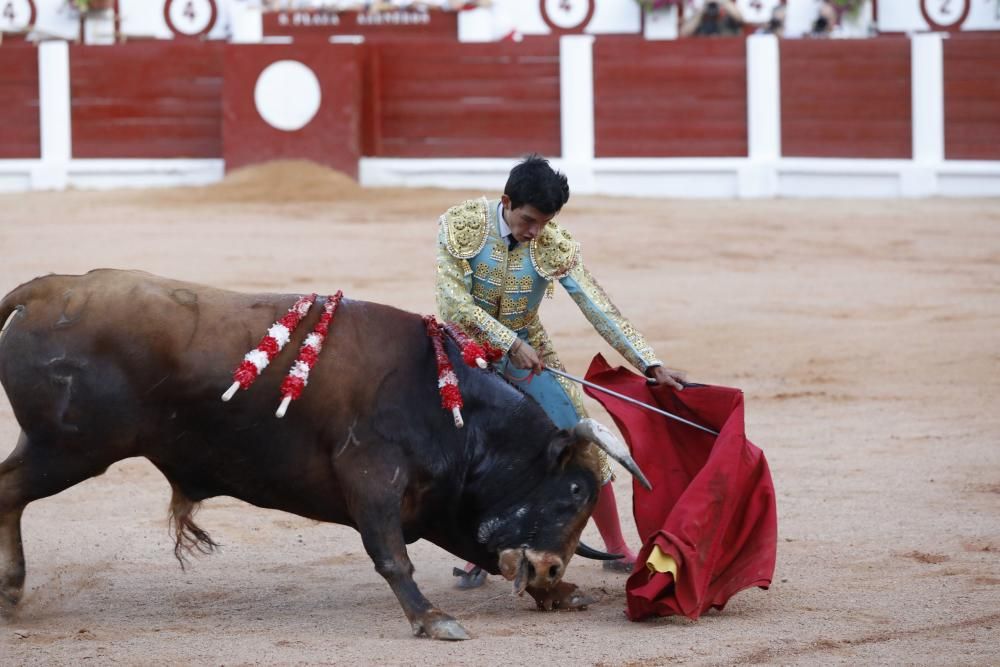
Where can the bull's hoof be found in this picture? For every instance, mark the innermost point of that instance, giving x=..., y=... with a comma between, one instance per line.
x=438, y=625
x=564, y=596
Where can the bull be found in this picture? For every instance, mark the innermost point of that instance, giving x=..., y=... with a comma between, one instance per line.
x=117, y=364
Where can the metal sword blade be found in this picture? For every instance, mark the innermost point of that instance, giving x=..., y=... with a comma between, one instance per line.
x=629, y=399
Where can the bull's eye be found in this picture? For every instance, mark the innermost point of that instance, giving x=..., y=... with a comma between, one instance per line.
x=574, y=488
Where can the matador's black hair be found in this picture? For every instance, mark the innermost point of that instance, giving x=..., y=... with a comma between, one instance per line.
x=536, y=183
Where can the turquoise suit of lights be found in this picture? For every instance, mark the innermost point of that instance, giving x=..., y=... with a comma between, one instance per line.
x=494, y=294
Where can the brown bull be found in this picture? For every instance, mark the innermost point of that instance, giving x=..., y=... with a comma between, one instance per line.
x=114, y=364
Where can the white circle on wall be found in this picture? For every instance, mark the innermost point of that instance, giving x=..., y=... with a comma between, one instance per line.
x=190, y=17
x=567, y=14
x=944, y=13
x=287, y=95
x=16, y=15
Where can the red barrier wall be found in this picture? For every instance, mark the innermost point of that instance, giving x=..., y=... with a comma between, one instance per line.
x=331, y=137
x=670, y=99
x=153, y=99
x=846, y=98
x=20, y=134
x=972, y=97
x=839, y=98
x=462, y=100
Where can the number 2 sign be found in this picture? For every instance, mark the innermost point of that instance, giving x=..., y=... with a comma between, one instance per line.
x=190, y=18
x=567, y=16
x=945, y=14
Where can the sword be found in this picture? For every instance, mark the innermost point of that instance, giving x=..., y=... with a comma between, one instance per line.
x=628, y=399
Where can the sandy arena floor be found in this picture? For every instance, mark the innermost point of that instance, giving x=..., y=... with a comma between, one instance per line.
x=866, y=336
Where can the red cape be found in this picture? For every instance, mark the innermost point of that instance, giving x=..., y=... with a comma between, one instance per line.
x=712, y=505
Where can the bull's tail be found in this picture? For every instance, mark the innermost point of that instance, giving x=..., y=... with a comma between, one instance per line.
x=15, y=300
x=189, y=538
x=11, y=304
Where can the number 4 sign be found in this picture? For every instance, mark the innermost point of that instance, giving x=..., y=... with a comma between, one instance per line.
x=17, y=15
x=190, y=18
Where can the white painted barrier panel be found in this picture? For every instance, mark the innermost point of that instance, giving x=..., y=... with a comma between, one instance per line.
x=54, y=116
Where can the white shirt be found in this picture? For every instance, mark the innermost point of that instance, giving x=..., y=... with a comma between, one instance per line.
x=504, y=227
x=505, y=233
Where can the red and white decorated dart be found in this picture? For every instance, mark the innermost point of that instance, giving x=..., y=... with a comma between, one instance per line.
x=298, y=376
x=277, y=336
x=473, y=353
x=451, y=397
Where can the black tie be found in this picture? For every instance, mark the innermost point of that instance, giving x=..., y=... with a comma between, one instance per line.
x=511, y=242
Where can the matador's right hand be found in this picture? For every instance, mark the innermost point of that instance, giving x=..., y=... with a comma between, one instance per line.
x=523, y=356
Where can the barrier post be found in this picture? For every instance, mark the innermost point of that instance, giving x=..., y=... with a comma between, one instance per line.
x=927, y=115
x=576, y=109
x=54, y=115
x=759, y=177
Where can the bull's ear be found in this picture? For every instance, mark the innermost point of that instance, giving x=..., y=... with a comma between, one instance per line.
x=561, y=449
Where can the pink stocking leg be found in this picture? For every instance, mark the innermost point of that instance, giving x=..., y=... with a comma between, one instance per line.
x=606, y=518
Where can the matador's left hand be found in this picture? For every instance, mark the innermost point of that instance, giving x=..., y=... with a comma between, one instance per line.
x=667, y=376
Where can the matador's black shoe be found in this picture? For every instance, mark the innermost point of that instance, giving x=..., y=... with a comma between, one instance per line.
x=474, y=578
x=621, y=565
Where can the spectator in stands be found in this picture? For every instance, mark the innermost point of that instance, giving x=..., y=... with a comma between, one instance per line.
x=826, y=20
x=714, y=18
x=776, y=24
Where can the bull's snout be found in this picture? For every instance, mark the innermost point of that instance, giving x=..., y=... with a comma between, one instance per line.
x=527, y=567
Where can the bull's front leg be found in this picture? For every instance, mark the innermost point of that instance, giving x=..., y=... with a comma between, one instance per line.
x=382, y=534
x=375, y=507
x=11, y=561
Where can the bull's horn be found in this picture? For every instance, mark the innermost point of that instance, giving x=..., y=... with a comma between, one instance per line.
x=600, y=435
x=590, y=552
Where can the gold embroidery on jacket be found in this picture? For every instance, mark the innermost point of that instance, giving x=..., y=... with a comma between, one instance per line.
x=456, y=304
x=610, y=323
x=554, y=253
x=467, y=228
x=515, y=262
x=491, y=274
x=521, y=321
x=515, y=285
x=511, y=306
x=490, y=295
x=498, y=251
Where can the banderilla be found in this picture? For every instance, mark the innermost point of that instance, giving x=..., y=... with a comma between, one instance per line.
x=629, y=399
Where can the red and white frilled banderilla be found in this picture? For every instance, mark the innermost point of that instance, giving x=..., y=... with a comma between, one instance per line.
x=277, y=336
x=473, y=354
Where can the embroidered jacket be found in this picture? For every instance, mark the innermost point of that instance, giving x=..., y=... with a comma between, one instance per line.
x=494, y=294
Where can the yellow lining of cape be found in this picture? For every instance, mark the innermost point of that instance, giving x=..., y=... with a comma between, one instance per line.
x=661, y=562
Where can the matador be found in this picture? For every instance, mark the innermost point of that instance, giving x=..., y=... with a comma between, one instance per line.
x=497, y=260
